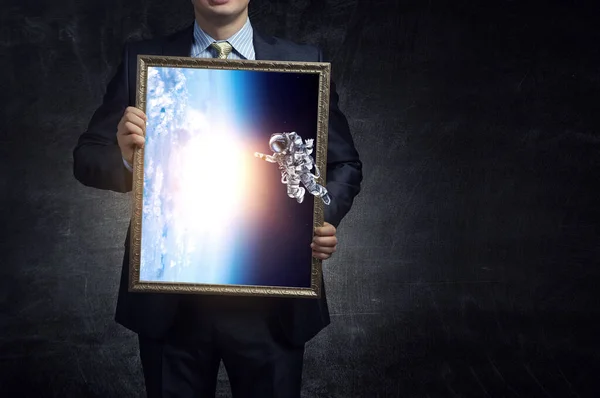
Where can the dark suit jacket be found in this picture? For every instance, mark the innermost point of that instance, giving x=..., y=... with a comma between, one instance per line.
x=98, y=164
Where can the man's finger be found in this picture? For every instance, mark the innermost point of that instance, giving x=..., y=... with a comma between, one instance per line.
x=321, y=256
x=138, y=140
x=136, y=111
x=326, y=230
x=133, y=129
x=136, y=120
x=325, y=240
x=322, y=249
x=127, y=126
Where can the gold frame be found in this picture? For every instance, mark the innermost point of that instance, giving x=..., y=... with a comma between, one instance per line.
x=145, y=61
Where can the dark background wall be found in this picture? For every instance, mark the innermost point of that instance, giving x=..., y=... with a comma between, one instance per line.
x=469, y=266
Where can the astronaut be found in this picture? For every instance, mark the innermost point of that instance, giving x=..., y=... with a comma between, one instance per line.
x=295, y=163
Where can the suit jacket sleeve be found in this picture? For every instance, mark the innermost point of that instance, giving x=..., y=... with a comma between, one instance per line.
x=344, y=167
x=97, y=157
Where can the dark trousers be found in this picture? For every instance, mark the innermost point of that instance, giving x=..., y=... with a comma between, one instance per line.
x=242, y=333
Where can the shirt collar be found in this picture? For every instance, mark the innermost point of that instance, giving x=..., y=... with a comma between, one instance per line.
x=241, y=41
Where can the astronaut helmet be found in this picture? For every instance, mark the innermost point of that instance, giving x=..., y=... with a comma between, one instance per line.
x=279, y=143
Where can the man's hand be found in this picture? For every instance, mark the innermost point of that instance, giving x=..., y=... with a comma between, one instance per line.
x=130, y=132
x=324, y=241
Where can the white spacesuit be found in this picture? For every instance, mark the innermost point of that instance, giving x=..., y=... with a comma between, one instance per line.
x=295, y=164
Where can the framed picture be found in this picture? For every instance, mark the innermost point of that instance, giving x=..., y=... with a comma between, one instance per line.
x=230, y=183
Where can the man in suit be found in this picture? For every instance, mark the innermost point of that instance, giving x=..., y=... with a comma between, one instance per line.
x=183, y=338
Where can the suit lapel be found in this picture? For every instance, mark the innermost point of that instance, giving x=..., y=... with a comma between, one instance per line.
x=179, y=44
x=265, y=49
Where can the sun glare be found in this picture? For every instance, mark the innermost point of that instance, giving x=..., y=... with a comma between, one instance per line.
x=208, y=203
x=211, y=181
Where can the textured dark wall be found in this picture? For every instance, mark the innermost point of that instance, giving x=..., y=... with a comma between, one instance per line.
x=469, y=266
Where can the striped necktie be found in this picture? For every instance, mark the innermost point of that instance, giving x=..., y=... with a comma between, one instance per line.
x=223, y=48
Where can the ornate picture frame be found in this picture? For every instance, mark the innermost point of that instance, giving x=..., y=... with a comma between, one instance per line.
x=230, y=183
